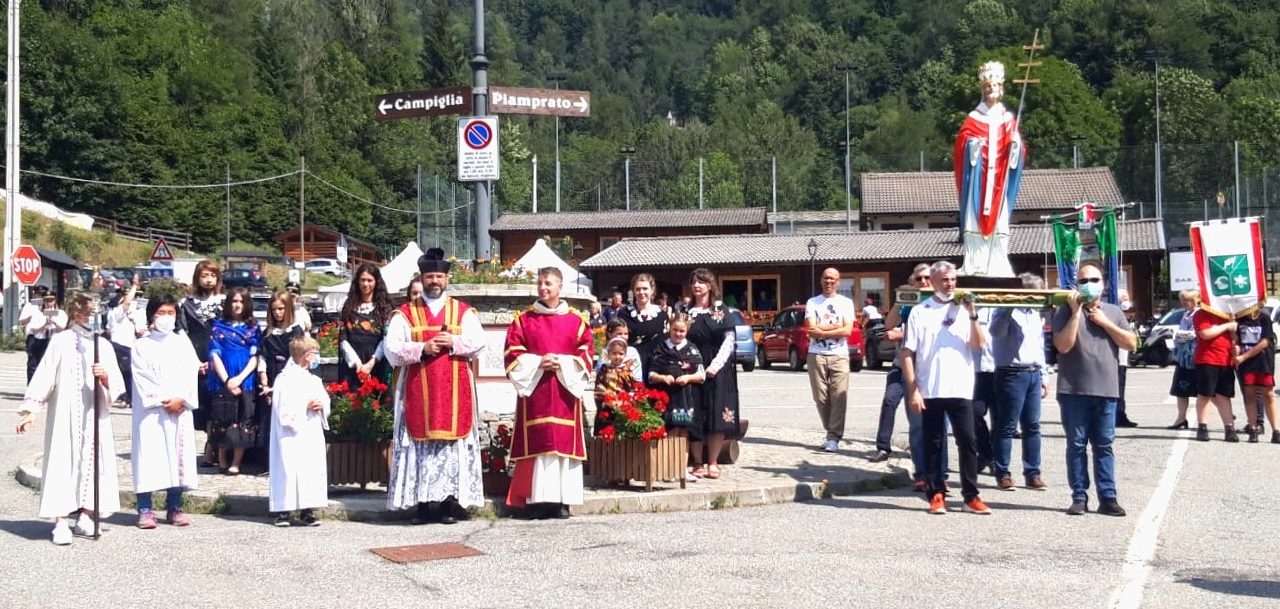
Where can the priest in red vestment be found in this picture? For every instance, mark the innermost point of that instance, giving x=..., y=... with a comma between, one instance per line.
x=988, y=159
x=435, y=441
x=548, y=359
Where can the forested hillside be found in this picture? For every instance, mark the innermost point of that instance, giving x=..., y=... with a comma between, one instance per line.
x=183, y=91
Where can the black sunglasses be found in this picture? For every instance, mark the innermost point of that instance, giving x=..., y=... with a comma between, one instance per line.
x=1090, y=280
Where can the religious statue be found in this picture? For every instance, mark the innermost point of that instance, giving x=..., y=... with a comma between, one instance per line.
x=989, y=157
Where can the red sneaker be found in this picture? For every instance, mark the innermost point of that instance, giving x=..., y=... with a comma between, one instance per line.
x=937, y=505
x=976, y=506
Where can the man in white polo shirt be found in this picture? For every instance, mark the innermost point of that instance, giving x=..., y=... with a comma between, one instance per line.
x=829, y=319
x=938, y=368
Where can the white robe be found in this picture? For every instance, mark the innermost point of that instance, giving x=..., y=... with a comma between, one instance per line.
x=433, y=470
x=299, y=468
x=165, y=366
x=63, y=383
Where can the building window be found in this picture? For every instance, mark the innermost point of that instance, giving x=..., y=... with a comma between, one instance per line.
x=942, y=225
x=751, y=292
x=607, y=242
x=897, y=226
x=858, y=287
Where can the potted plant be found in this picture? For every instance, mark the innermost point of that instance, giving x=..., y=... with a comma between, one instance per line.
x=632, y=441
x=494, y=466
x=327, y=336
x=359, y=436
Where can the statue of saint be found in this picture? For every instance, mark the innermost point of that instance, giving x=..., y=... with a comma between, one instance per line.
x=989, y=156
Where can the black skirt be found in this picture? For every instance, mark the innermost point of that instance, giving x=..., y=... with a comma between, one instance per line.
x=718, y=396
x=234, y=421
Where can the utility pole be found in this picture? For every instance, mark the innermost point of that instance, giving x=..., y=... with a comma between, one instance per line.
x=13, y=293
x=1155, y=57
x=627, y=151
x=228, y=208
x=480, y=94
x=557, y=76
x=535, y=184
x=302, y=210
x=847, y=68
x=700, y=188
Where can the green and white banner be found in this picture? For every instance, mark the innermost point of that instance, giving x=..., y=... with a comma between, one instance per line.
x=1230, y=265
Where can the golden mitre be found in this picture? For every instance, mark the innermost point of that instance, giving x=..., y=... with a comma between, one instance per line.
x=992, y=71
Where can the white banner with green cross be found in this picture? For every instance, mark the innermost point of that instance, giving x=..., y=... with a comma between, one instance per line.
x=1230, y=265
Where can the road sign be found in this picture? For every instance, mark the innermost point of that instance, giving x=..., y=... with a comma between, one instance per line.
x=157, y=272
x=26, y=265
x=478, y=149
x=431, y=102
x=161, y=251
x=548, y=102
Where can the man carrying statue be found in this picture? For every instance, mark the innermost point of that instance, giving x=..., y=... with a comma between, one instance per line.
x=989, y=156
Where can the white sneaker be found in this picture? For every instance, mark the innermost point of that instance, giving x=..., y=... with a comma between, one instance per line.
x=62, y=533
x=832, y=446
x=83, y=526
x=689, y=477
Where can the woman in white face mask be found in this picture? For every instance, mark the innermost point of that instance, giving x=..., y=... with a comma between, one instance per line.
x=166, y=389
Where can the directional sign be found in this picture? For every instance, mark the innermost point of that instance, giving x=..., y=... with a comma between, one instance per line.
x=26, y=265
x=478, y=149
x=431, y=102
x=549, y=102
x=161, y=251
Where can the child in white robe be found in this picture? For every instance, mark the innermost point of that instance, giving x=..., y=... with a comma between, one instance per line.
x=299, y=416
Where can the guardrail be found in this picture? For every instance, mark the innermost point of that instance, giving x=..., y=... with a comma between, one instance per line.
x=177, y=239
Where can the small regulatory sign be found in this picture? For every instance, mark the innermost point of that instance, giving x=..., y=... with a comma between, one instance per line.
x=161, y=251
x=478, y=149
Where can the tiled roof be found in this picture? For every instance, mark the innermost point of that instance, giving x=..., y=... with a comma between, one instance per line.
x=619, y=219
x=935, y=191
x=826, y=216
x=933, y=244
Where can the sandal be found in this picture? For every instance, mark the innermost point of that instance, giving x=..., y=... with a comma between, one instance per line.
x=713, y=472
x=698, y=472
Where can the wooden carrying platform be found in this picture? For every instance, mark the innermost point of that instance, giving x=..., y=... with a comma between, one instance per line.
x=991, y=297
x=628, y=460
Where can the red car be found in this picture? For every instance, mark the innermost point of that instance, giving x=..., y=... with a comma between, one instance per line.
x=786, y=340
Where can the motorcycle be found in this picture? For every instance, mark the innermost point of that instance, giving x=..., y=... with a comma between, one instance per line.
x=1153, y=345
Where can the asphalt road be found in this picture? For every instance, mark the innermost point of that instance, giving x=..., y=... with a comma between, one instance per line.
x=1197, y=535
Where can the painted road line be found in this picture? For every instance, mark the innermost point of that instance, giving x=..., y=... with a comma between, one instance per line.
x=1142, y=546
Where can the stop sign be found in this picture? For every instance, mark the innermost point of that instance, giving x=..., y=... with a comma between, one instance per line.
x=26, y=265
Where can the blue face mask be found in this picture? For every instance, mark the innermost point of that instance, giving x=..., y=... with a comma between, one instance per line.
x=313, y=361
x=1090, y=291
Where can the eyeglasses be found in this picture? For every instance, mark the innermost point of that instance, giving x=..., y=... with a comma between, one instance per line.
x=922, y=278
x=1089, y=280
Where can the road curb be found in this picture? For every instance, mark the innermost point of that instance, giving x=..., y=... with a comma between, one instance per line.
x=371, y=507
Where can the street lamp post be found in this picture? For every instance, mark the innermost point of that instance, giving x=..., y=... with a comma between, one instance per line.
x=847, y=68
x=627, y=151
x=813, y=255
x=557, y=77
x=1155, y=56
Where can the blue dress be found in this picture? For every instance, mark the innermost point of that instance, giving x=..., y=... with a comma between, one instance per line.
x=233, y=419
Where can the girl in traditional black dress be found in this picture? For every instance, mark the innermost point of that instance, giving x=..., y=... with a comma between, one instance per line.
x=282, y=327
x=711, y=331
x=676, y=368
x=196, y=313
x=646, y=321
x=233, y=359
x=362, y=326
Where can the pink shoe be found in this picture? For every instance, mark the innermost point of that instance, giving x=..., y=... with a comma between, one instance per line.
x=147, y=519
x=176, y=518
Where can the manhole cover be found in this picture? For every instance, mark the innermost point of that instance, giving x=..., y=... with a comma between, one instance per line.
x=423, y=552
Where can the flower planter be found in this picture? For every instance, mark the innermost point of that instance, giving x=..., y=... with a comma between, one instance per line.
x=359, y=463
x=496, y=484
x=651, y=460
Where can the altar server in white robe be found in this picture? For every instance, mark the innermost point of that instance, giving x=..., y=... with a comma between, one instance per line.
x=166, y=389
x=63, y=384
x=299, y=416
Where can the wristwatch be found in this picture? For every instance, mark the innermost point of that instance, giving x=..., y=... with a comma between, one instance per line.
x=973, y=317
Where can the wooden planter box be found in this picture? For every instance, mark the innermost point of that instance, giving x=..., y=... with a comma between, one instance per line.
x=663, y=459
x=359, y=463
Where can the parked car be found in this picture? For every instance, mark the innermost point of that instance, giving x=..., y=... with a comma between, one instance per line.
x=878, y=348
x=243, y=278
x=786, y=340
x=327, y=266
x=744, y=345
x=261, y=303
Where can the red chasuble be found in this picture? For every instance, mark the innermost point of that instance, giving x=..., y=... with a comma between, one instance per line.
x=549, y=421
x=438, y=401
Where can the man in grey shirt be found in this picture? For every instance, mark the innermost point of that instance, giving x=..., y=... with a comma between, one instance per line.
x=1088, y=335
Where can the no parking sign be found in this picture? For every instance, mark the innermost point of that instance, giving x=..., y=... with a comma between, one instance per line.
x=478, y=149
